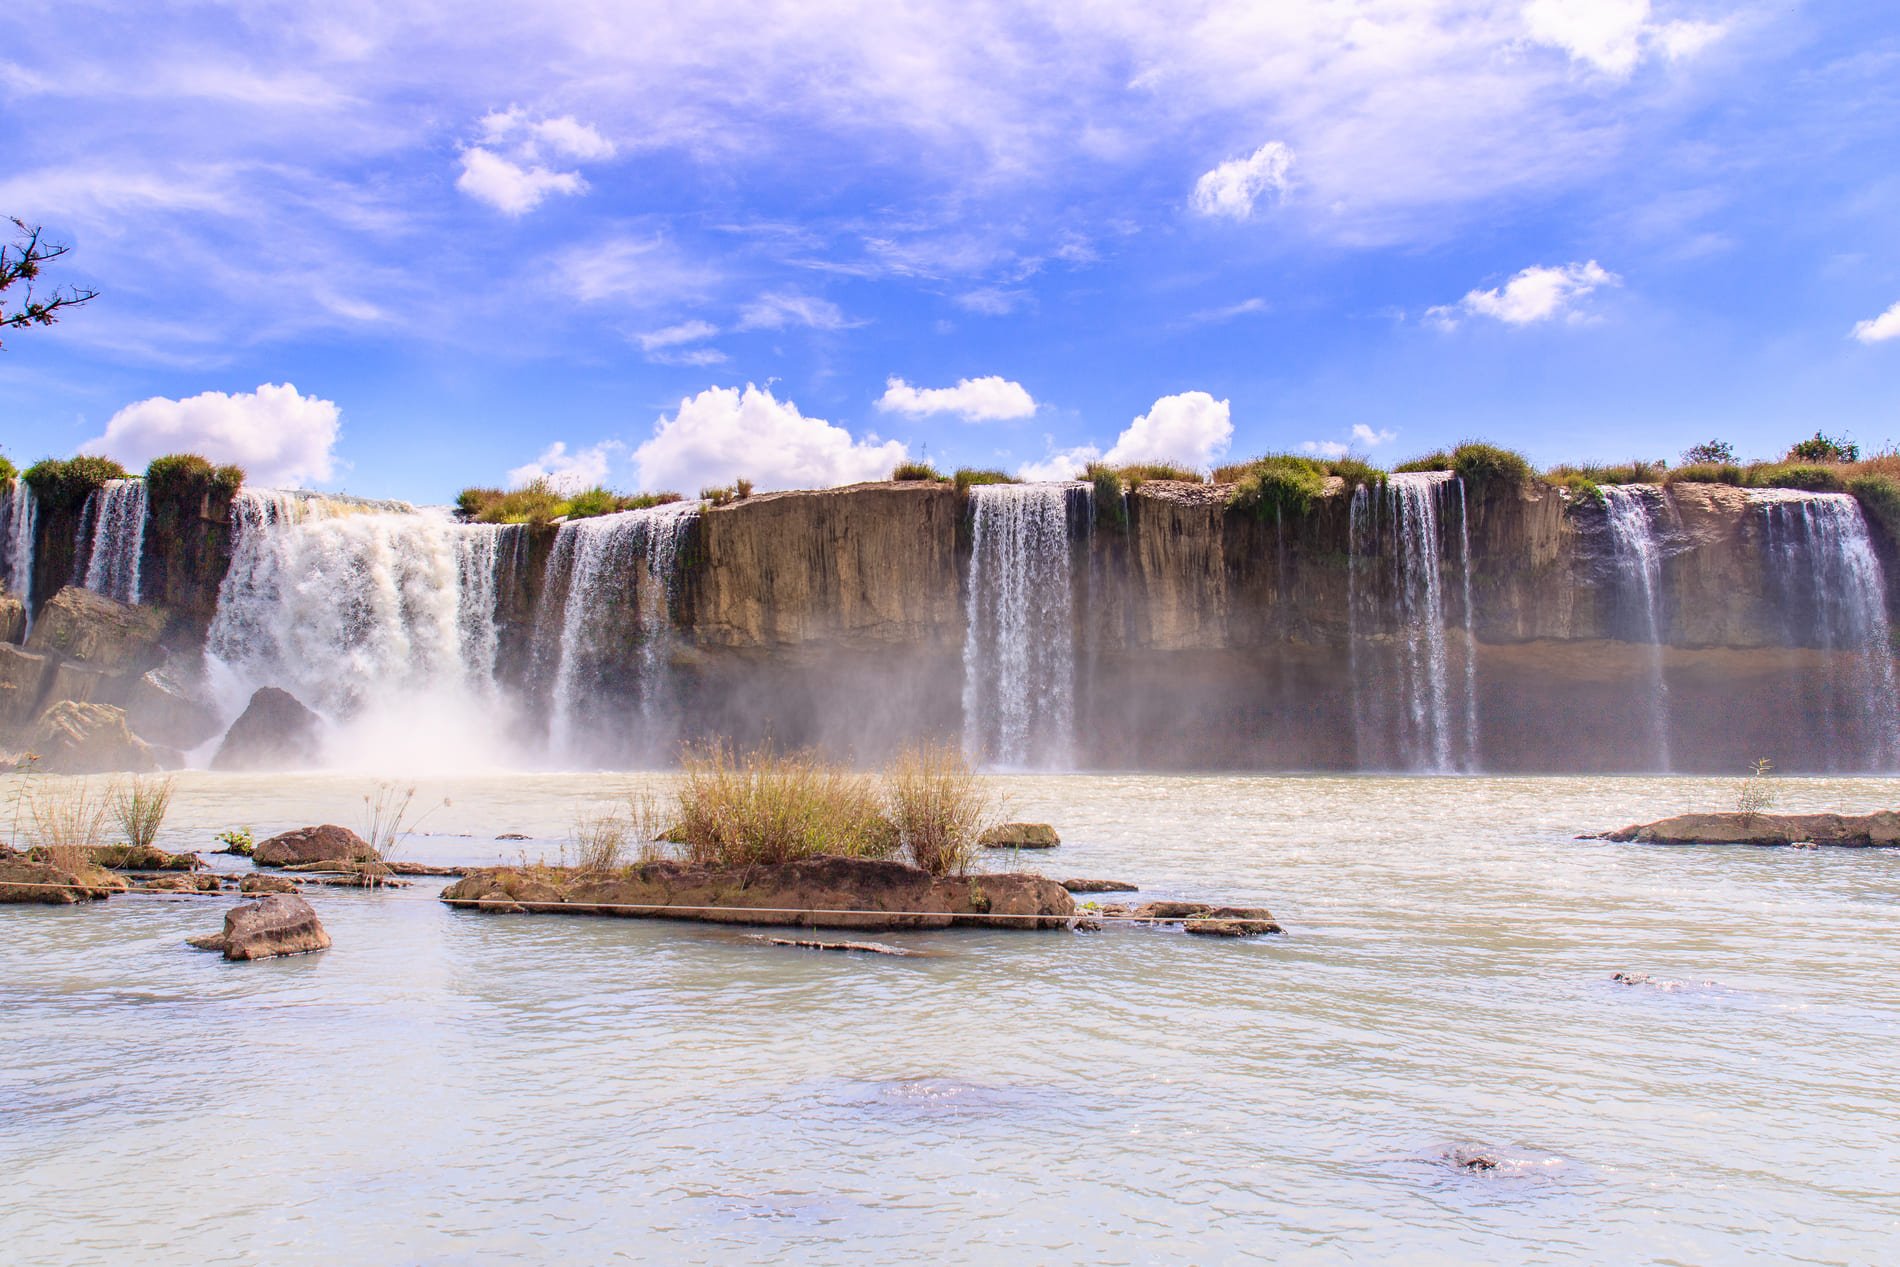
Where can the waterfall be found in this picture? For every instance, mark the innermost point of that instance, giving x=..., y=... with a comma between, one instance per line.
x=1019, y=645
x=1396, y=599
x=373, y=613
x=1828, y=579
x=116, y=513
x=616, y=578
x=1632, y=515
x=21, y=521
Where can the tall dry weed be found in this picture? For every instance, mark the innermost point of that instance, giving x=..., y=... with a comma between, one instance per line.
x=938, y=807
x=766, y=809
x=139, y=805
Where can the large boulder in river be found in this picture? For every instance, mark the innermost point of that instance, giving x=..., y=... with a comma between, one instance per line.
x=280, y=924
x=275, y=732
x=110, y=636
x=328, y=843
x=77, y=738
x=1880, y=829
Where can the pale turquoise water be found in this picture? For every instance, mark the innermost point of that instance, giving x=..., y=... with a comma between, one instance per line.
x=451, y=1088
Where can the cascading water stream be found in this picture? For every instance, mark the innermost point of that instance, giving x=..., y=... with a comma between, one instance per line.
x=609, y=569
x=375, y=614
x=1019, y=645
x=1396, y=595
x=21, y=520
x=116, y=515
x=1632, y=514
x=1831, y=589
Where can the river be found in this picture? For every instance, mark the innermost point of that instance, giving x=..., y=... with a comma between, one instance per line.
x=447, y=1087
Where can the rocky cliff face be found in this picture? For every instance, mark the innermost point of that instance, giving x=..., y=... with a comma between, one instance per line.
x=1200, y=636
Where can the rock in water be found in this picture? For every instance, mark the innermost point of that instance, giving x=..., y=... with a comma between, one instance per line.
x=281, y=924
x=1100, y=886
x=251, y=885
x=46, y=884
x=1020, y=836
x=1877, y=830
x=275, y=732
x=163, y=709
x=76, y=738
x=328, y=843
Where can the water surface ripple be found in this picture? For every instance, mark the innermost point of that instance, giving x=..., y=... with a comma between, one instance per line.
x=444, y=1087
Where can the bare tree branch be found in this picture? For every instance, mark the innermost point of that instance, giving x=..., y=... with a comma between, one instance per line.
x=20, y=262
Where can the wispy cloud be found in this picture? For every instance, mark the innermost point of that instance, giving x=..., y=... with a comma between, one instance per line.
x=1536, y=294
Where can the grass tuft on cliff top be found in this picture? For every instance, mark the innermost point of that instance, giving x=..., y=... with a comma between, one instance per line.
x=175, y=473
x=61, y=484
x=907, y=472
x=538, y=502
x=967, y=477
x=1279, y=488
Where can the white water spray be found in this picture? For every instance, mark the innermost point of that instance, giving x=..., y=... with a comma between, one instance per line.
x=21, y=519
x=1632, y=513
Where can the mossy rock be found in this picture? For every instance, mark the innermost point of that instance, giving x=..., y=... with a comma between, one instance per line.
x=1020, y=836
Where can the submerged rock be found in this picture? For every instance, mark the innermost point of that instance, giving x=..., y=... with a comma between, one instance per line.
x=351, y=875
x=859, y=947
x=257, y=883
x=281, y=924
x=46, y=884
x=77, y=738
x=275, y=732
x=1020, y=836
x=201, y=882
x=143, y=858
x=823, y=892
x=1203, y=918
x=327, y=843
x=1876, y=830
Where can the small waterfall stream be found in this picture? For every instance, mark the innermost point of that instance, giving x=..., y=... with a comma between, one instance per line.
x=616, y=578
x=372, y=613
x=115, y=512
x=19, y=516
x=1632, y=514
x=1403, y=710
x=1834, y=598
x=1019, y=644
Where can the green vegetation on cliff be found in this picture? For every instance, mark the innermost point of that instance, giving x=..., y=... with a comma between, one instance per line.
x=8, y=472
x=538, y=501
x=175, y=473
x=1799, y=475
x=969, y=476
x=63, y=484
x=1879, y=497
x=1277, y=488
x=907, y=472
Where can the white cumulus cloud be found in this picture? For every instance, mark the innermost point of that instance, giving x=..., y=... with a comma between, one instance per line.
x=277, y=434
x=1536, y=294
x=568, y=472
x=1190, y=428
x=726, y=432
x=509, y=171
x=988, y=399
x=1232, y=188
x=1613, y=35
x=1879, y=329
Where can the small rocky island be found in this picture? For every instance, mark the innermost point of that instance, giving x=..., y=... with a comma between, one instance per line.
x=1879, y=830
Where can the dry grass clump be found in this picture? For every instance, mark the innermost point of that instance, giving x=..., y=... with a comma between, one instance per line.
x=387, y=818
x=937, y=808
x=139, y=805
x=69, y=821
x=539, y=501
x=767, y=809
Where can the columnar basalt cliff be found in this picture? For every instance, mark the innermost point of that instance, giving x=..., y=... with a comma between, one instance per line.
x=1416, y=624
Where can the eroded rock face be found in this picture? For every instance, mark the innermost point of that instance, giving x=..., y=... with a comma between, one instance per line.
x=281, y=924
x=163, y=709
x=107, y=635
x=1878, y=830
x=12, y=619
x=275, y=732
x=813, y=893
x=327, y=843
x=77, y=738
x=23, y=677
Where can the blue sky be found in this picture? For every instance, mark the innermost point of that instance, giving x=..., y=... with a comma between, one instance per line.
x=397, y=253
